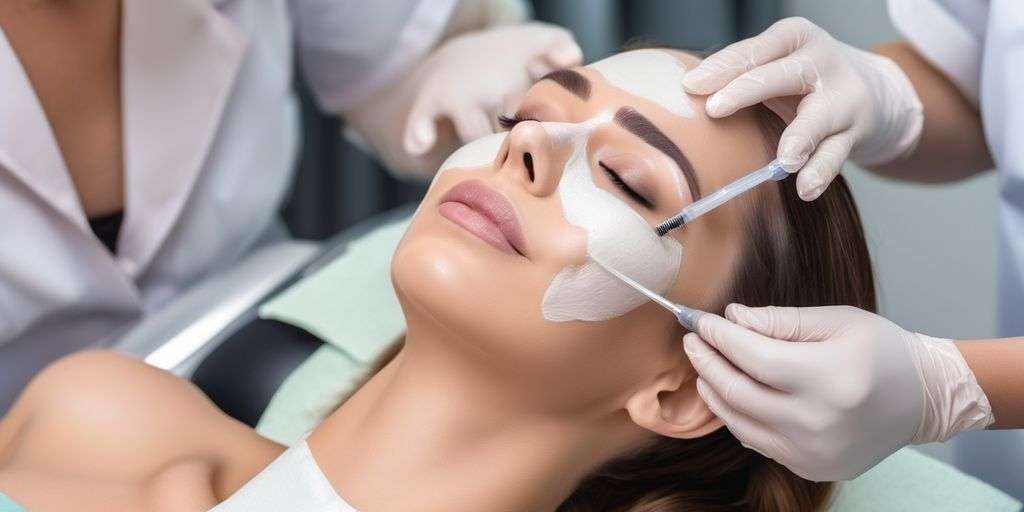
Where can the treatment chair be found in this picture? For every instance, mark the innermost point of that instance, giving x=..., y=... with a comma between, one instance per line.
x=279, y=339
x=212, y=334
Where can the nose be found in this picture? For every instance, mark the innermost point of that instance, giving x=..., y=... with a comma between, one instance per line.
x=532, y=158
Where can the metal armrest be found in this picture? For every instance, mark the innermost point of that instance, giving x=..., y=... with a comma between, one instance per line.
x=177, y=336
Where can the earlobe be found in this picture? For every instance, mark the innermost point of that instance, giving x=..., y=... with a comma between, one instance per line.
x=670, y=406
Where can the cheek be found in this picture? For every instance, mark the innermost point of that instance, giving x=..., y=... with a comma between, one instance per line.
x=477, y=153
x=469, y=289
x=715, y=247
x=616, y=236
x=474, y=157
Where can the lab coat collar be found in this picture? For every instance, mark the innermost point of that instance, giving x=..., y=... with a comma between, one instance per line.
x=28, y=147
x=179, y=61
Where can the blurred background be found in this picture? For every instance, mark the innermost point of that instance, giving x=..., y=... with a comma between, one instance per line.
x=928, y=281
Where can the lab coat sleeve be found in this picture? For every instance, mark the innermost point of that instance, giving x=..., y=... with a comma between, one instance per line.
x=348, y=50
x=949, y=34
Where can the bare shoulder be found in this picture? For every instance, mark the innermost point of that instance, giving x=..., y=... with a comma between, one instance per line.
x=102, y=411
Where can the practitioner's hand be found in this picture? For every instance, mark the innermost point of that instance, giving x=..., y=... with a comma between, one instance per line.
x=474, y=77
x=843, y=102
x=831, y=391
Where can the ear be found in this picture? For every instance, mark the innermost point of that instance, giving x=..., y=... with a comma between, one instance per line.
x=669, y=405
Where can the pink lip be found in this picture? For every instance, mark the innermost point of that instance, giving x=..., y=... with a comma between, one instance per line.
x=486, y=213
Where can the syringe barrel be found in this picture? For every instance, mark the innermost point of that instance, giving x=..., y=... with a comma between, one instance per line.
x=772, y=171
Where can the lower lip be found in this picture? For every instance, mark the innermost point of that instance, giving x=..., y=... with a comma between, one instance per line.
x=476, y=223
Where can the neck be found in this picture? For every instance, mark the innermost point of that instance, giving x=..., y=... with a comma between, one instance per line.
x=434, y=431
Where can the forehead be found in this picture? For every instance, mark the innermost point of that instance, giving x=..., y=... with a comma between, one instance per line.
x=649, y=81
x=652, y=74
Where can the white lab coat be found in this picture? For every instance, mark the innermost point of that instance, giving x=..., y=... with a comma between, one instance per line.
x=979, y=44
x=210, y=136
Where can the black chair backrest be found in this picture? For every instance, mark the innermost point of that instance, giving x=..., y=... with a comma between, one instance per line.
x=243, y=373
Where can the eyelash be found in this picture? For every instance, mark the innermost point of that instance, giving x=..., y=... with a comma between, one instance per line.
x=508, y=122
x=617, y=181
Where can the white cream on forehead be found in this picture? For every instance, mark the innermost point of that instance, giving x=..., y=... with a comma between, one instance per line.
x=617, y=236
x=654, y=75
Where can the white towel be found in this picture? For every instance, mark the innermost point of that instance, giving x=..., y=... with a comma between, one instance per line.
x=293, y=481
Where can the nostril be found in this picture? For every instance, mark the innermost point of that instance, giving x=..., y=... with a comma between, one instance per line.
x=528, y=162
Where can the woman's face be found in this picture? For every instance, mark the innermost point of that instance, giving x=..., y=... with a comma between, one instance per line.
x=500, y=256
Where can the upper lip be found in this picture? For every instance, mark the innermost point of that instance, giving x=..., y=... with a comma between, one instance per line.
x=492, y=204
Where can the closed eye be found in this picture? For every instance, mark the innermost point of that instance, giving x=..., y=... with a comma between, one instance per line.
x=508, y=122
x=617, y=181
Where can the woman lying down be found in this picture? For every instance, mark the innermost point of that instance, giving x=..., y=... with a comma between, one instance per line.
x=530, y=379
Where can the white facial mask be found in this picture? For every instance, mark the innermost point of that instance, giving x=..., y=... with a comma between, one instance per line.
x=617, y=236
x=654, y=75
x=478, y=153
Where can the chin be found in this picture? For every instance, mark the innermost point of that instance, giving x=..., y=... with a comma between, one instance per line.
x=446, y=278
x=481, y=296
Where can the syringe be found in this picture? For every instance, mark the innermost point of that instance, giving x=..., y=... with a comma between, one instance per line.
x=773, y=171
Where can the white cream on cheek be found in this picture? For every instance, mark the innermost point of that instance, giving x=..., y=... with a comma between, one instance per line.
x=477, y=153
x=617, y=236
x=473, y=155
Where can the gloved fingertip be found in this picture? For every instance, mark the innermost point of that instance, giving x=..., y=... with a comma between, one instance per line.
x=810, y=183
x=745, y=317
x=719, y=106
x=566, y=56
x=690, y=344
x=695, y=348
x=537, y=69
x=810, y=192
x=420, y=137
x=791, y=155
x=790, y=163
x=695, y=81
x=713, y=105
x=702, y=389
x=730, y=311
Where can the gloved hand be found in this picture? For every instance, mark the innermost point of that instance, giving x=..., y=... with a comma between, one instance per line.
x=831, y=391
x=846, y=102
x=472, y=78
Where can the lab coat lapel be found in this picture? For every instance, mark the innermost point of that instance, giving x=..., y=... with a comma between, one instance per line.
x=28, y=147
x=179, y=61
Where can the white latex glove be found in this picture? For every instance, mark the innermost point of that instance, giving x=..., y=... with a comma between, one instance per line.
x=831, y=391
x=846, y=102
x=473, y=77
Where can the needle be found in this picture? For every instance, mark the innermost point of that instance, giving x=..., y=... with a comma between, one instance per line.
x=687, y=317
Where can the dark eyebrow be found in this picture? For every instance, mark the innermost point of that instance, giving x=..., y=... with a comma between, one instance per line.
x=573, y=82
x=642, y=127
